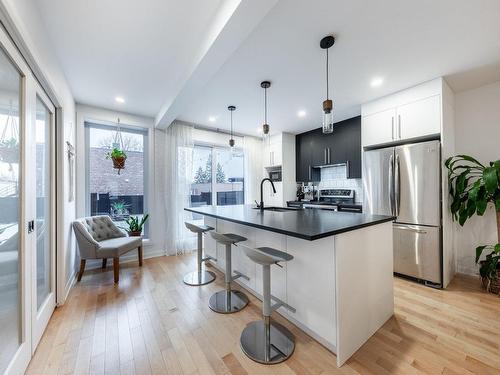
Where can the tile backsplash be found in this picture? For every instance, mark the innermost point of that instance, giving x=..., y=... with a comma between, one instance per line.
x=336, y=177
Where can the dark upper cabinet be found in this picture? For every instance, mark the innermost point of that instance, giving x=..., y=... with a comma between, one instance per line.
x=304, y=146
x=315, y=150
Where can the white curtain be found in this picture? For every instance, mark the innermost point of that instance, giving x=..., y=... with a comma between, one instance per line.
x=178, y=169
x=254, y=169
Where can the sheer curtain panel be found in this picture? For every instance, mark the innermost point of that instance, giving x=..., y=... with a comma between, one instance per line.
x=254, y=170
x=178, y=169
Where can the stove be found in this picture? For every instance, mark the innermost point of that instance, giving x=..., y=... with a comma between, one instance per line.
x=336, y=196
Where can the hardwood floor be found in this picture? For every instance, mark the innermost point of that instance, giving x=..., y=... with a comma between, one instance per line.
x=151, y=323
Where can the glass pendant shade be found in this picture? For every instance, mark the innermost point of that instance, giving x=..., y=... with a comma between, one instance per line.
x=327, y=122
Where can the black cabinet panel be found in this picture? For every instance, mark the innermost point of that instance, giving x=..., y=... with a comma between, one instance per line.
x=315, y=149
x=304, y=146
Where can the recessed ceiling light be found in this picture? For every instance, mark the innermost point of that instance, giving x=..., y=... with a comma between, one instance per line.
x=301, y=113
x=212, y=118
x=119, y=99
x=377, y=81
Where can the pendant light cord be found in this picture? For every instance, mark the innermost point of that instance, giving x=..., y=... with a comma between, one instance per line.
x=265, y=106
x=231, y=124
x=327, y=86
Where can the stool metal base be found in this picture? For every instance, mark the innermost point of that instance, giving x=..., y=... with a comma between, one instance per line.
x=197, y=278
x=227, y=302
x=267, y=346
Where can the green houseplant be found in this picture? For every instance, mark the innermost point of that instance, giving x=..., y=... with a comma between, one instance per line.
x=472, y=187
x=118, y=157
x=135, y=225
x=119, y=209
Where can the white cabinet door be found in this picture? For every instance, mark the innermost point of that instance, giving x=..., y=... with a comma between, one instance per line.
x=273, y=155
x=419, y=118
x=378, y=128
x=310, y=283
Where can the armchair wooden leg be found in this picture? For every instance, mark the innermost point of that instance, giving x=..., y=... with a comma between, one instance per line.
x=104, y=262
x=139, y=250
x=82, y=268
x=116, y=269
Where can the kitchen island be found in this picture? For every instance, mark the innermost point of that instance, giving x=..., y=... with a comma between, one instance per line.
x=341, y=278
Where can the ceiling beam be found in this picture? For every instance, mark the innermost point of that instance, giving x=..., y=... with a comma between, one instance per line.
x=233, y=23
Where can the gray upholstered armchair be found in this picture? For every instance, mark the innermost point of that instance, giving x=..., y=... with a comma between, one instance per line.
x=99, y=238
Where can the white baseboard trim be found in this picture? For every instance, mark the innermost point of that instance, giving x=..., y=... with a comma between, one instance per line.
x=67, y=288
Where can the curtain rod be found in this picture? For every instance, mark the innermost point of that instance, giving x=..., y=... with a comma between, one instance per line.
x=215, y=130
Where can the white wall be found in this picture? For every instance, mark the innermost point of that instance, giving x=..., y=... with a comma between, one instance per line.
x=29, y=25
x=477, y=131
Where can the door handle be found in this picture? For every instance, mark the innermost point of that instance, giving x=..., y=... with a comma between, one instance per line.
x=310, y=178
x=410, y=228
x=31, y=226
x=329, y=156
x=397, y=186
x=325, y=156
x=391, y=184
x=392, y=127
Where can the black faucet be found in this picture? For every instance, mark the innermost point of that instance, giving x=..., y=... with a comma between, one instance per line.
x=261, y=206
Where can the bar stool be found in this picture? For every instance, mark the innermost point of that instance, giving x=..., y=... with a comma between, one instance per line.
x=228, y=301
x=199, y=277
x=264, y=341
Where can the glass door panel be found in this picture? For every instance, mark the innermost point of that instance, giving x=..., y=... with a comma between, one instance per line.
x=229, y=177
x=43, y=202
x=10, y=209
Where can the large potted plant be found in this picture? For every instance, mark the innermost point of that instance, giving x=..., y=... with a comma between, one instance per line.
x=473, y=186
x=135, y=225
x=118, y=157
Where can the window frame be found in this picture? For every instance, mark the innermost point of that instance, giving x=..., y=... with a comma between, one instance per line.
x=88, y=124
x=213, y=149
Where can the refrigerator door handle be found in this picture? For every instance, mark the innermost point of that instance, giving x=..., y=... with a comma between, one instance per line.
x=397, y=186
x=391, y=184
x=410, y=228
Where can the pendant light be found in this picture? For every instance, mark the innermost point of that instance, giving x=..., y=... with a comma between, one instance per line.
x=231, y=109
x=265, y=127
x=325, y=44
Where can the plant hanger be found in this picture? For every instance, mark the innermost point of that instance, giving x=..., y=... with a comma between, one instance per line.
x=118, y=141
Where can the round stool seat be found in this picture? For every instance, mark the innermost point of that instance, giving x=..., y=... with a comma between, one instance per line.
x=198, y=228
x=227, y=301
x=269, y=345
x=227, y=238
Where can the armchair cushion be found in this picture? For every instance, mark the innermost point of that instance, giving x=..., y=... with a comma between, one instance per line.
x=102, y=228
x=115, y=247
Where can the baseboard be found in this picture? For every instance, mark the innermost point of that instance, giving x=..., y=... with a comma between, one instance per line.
x=67, y=288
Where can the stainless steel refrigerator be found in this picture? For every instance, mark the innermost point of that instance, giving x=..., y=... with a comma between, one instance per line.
x=404, y=181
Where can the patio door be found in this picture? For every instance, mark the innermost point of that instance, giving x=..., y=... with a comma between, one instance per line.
x=41, y=210
x=27, y=215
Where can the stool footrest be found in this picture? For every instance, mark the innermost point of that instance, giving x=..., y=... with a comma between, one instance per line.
x=208, y=257
x=279, y=303
x=238, y=275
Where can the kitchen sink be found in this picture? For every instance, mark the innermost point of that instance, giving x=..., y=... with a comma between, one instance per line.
x=277, y=209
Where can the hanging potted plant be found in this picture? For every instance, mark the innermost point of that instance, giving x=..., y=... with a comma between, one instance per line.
x=118, y=157
x=135, y=225
x=473, y=186
x=9, y=151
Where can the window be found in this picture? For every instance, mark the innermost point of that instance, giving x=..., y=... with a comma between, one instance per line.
x=118, y=193
x=217, y=176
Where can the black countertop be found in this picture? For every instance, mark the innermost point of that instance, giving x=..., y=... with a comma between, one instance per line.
x=306, y=224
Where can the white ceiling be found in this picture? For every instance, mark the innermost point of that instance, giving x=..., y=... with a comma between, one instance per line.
x=139, y=50
x=405, y=42
x=150, y=52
